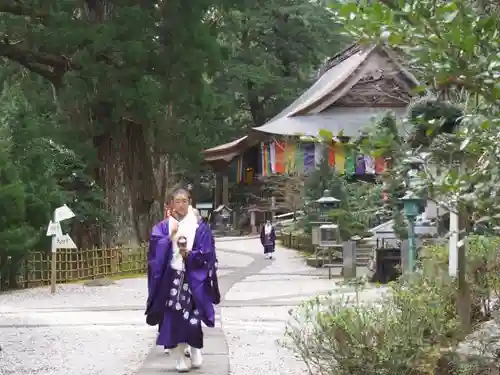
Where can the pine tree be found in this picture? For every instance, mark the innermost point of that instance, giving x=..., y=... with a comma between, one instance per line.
x=15, y=236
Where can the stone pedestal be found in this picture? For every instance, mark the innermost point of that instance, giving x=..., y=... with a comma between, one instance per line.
x=349, y=260
x=252, y=222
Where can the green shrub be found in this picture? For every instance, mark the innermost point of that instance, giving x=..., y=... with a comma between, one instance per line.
x=414, y=329
x=483, y=271
x=403, y=333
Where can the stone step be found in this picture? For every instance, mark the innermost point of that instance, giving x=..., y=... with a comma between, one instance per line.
x=365, y=246
x=363, y=254
x=364, y=249
x=318, y=262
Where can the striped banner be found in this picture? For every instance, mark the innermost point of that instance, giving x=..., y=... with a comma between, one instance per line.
x=350, y=162
x=331, y=154
x=309, y=157
x=272, y=157
x=319, y=153
x=278, y=157
x=340, y=158
x=360, y=165
x=299, y=158
x=290, y=157
x=279, y=150
x=379, y=165
x=265, y=163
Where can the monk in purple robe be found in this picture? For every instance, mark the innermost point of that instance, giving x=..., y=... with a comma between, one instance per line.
x=268, y=239
x=182, y=282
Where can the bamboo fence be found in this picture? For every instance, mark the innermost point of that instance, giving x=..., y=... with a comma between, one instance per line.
x=294, y=241
x=75, y=265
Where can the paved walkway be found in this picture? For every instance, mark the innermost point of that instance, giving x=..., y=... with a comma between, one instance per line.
x=101, y=330
x=258, y=295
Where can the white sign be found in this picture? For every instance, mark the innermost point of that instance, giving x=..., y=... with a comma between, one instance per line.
x=54, y=229
x=65, y=242
x=63, y=213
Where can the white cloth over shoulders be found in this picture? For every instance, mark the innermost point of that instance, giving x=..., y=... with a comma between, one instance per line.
x=187, y=228
x=268, y=228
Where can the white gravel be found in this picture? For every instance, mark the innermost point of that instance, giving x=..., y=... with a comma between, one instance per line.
x=127, y=292
x=58, y=334
x=255, y=341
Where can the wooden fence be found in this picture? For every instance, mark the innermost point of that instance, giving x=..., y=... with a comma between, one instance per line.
x=75, y=265
x=294, y=241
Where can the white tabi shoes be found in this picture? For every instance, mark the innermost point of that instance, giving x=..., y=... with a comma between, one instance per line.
x=184, y=351
x=187, y=352
x=181, y=365
x=196, y=358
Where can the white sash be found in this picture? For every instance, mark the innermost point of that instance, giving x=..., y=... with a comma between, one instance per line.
x=187, y=228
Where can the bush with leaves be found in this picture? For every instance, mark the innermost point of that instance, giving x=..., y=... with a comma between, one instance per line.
x=402, y=333
x=412, y=329
x=483, y=272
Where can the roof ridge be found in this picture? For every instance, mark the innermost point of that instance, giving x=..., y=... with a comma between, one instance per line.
x=341, y=56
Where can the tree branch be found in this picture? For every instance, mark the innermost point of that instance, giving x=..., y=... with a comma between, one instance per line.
x=51, y=67
x=17, y=9
x=19, y=54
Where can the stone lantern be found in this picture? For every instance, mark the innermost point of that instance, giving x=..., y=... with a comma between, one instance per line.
x=411, y=207
x=326, y=203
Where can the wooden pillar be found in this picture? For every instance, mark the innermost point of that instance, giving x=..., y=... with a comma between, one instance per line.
x=464, y=302
x=216, y=190
x=225, y=188
x=253, y=222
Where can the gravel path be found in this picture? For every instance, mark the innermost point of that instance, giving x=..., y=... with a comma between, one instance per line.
x=255, y=310
x=254, y=329
x=80, y=330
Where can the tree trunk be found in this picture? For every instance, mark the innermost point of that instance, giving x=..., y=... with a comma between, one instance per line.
x=110, y=177
x=142, y=186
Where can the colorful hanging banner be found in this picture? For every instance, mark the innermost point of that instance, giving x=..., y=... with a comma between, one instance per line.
x=265, y=159
x=369, y=165
x=280, y=157
x=299, y=158
x=340, y=158
x=319, y=152
x=350, y=162
x=272, y=157
x=360, y=165
x=236, y=174
x=309, y=156
x=379, y=165
x=290, y=157
x=331, y=154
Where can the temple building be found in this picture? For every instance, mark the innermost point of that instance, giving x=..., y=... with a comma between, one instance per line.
x=356, y=86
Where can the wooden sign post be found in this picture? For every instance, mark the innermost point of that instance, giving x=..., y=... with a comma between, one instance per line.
x=59, y=240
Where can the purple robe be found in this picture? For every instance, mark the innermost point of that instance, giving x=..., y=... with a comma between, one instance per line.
x=268, y=241
x=197, y=287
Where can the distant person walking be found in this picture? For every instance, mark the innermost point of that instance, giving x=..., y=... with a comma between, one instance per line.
x=268, y=239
